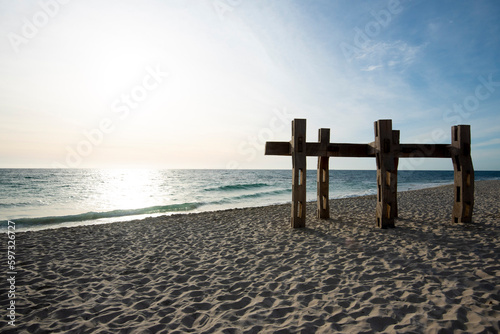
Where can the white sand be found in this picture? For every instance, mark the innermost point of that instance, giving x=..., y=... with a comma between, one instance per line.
x=246, y=270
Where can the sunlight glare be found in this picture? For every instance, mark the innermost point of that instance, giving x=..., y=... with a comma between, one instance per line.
x=131, y=188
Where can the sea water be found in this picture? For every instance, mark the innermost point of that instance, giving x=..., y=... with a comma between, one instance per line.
x=47, y=198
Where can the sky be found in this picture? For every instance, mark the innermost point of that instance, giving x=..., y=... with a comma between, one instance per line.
x=204, y=84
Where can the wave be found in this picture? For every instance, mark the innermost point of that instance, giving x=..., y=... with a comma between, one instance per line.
x=12, y=204
x=107, y=214
x=263, y=194
x=368, y=192
x=238, y=187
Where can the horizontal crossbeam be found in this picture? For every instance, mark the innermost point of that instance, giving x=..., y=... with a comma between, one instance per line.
x=362, y=150
x=317, y=150
x=424, y=151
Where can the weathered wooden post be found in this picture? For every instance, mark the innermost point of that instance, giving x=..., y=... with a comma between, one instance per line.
x=395, y=140
x=386, y=172
x=298, y=151
x=464, y=174
x=323, y=177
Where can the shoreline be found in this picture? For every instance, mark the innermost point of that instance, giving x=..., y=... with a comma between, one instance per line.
x=123, y=219
x=245, y=270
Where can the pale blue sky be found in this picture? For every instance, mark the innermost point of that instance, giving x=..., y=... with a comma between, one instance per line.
x=203, y=84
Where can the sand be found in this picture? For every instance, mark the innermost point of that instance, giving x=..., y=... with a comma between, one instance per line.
x=247, y=271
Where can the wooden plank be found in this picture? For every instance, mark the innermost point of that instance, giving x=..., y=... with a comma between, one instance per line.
x=298, y=149
x=350, y=150
x=323, y=177
x=397, y=147
x=386, y=174
x=362, y=150
x=339, y=150
x=318, y=150
x=463, y=174
x=424, y=150
x=278, y=148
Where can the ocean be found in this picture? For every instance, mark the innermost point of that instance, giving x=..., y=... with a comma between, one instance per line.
x=50, y=198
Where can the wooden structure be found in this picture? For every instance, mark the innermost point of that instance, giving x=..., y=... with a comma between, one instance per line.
x=387, y=150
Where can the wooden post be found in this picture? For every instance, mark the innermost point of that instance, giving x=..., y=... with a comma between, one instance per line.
x=298, y=150
x=386, y=172
x=395, y=140
x=464, y=174
x=323, y=177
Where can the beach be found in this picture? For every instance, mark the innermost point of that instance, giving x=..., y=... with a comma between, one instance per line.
x=247, y=271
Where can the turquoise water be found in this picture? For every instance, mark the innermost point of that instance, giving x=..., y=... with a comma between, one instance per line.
x=41, y=198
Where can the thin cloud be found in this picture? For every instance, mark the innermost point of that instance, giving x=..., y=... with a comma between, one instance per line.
x=394, y=55
x=371, y=68
x=490, y=142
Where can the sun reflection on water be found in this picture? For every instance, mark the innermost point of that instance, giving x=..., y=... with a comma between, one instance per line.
x=130, y=189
